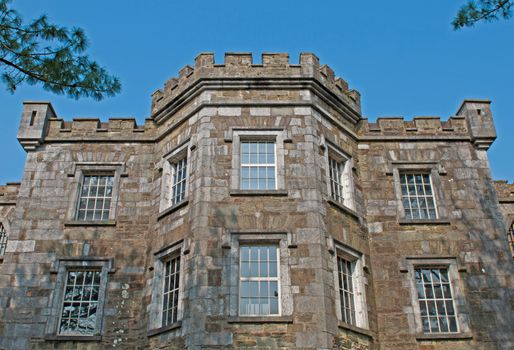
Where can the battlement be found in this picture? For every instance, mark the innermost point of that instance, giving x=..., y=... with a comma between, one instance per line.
x=88, y=126
x=504, y=190
x=473, y=122
x=240, y=66
x=39, y=123
x=422, y=125
x=9, y=193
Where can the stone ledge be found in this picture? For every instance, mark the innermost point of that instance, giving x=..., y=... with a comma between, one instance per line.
x=90, y=223
x=172, y=209
x=424, y=222
x=355, y=329
x=261, y=319
x=53, y=337
x=160, y=330
x=251, y=193
x=444, y=336
x=344, y=208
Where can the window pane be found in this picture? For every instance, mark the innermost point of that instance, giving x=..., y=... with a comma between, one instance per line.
x=259, y=287
x=417, y=196
x=258, y=165
x=435, y=300
x=95, y=197
x=346, y=292
x=171, y=276
x=78, y=313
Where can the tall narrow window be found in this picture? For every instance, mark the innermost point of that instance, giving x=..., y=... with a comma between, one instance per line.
x=510, y=238
x=434, y=290
x=345, y=271
x=95, y=197
x=259, y=280
x=178, y=189
x=258, y=165
x=3, y=239
x=417, y=196
x=171, y=277
x=80, y=303
x=336, y=179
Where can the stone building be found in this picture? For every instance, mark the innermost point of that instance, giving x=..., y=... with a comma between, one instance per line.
x=256, y=209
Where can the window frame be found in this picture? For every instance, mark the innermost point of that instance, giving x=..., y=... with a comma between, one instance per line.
x=345, y=181
x=242, y=165
x=259, y=279
x=237, y=135
x=80, y=197
x=79, y=169
x=418, y=196
x=359, y=282
x=156, y=307
x=233, y=241
x=435, y=170
x=457, y=288
x=450, y=283
x=168, y=165
x=61, y=267
x=64, y=301
x=4, y=239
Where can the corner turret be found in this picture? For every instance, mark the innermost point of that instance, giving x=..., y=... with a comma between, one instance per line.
x=480, y=122
x=34, y=123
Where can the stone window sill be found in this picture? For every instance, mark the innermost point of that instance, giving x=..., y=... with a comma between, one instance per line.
x=424, y=222
x=250, y=193
x=343, y=208
x=53, y=337
x=355, y=329
x=90, y=223
x=164, y=329
x=172, y=209
x=261, y=319
x=444, y=336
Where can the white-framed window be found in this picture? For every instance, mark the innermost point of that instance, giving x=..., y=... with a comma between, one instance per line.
x=166, y=309
x=79, y=297
x=95, y=197
x=336, y=179
x=346, y=271
x=170, y=293
x=179, y=177
x=257, y=159
x=80, y=302
x=259, y=280
x=3, y=239
x=258, y=165
x=176, y=166
x=418, y=199
x=340, y=180
x=435, y=300
x=350, y=286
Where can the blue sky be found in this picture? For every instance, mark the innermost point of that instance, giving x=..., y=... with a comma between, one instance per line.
x=403, y=56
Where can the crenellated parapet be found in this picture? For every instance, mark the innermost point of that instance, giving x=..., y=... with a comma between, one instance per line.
x=113, y=128
x=39, y=123
x=504, y=191
x=238, y=69
x=472, y=122
x=9, y=193
x=398, y=126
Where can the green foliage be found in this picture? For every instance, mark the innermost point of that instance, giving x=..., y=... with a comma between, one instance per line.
x=482, y=10
x=43, y=53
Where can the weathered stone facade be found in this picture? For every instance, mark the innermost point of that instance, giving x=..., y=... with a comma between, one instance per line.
x=203, y=115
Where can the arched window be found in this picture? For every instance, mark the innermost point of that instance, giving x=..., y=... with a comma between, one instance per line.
x=3, y=239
